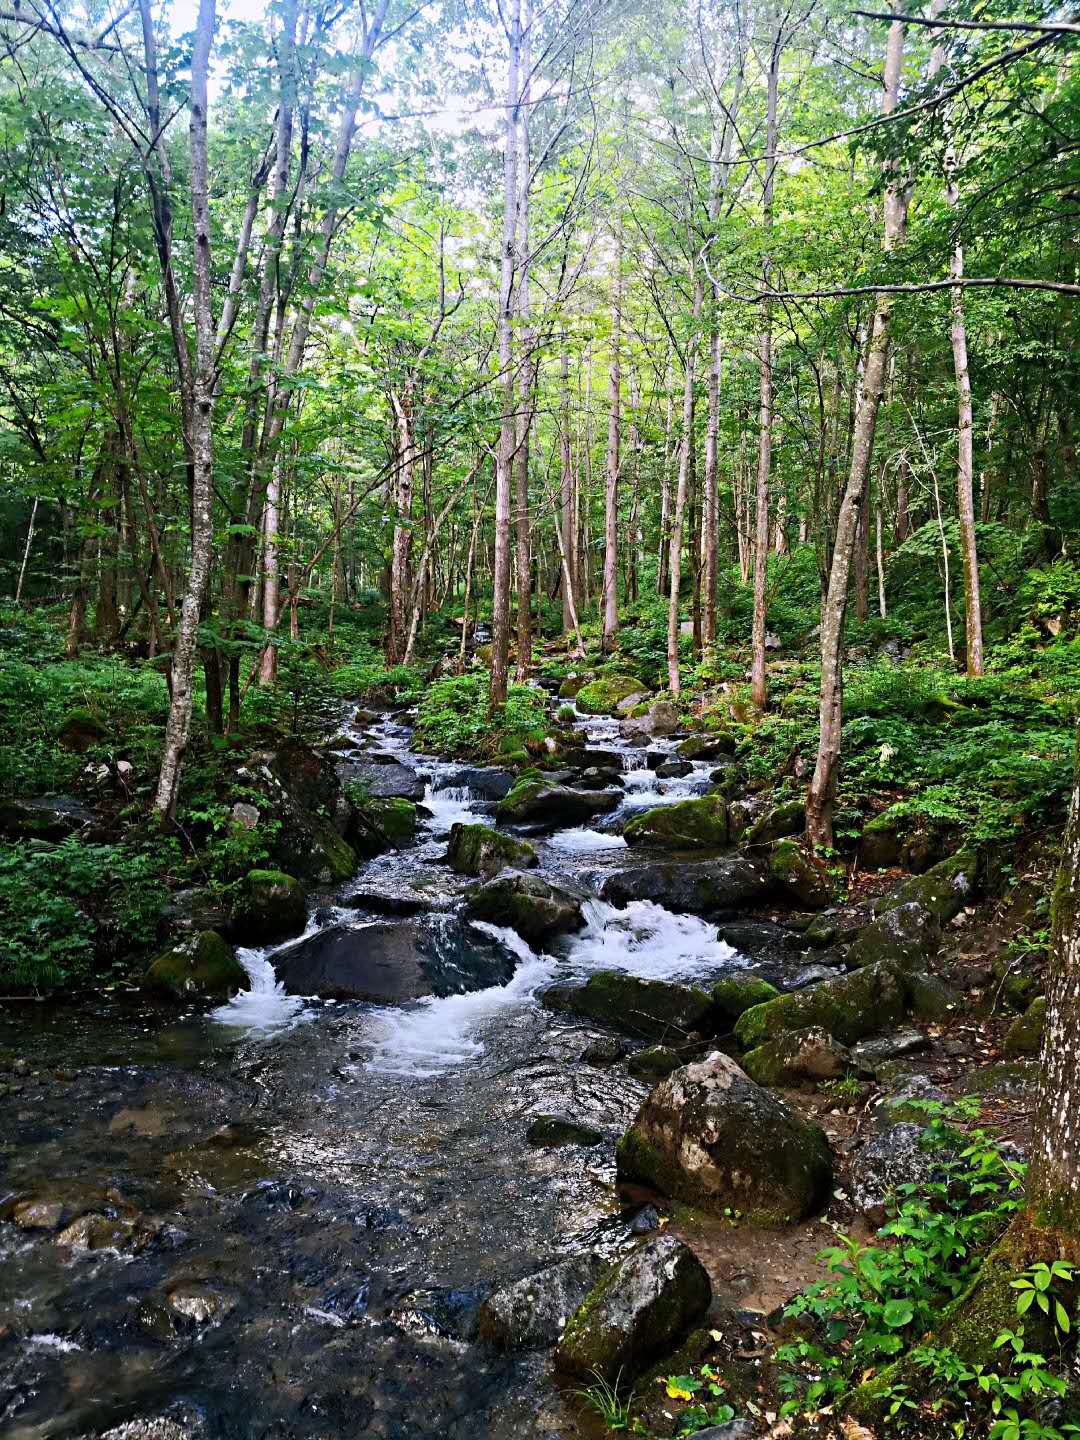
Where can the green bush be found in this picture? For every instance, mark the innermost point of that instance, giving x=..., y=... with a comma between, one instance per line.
x=453, y=718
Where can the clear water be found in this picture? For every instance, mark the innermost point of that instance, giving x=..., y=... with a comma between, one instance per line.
x=344, y=1181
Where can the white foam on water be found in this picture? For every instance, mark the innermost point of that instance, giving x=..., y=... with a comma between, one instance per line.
x=647, y=940
x=439, y=1033
x=452, y=806
x=264, y=1009
x=584, y=841
x=53, y=1342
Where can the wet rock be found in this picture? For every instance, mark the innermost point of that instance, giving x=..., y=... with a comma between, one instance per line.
x=45, y=817
x=777, y=823
x=656, y=1009
x=536, y=802
x=182, y=1422
x=598, y=778
x=711, y=1136
x=700, y=824
x=809, y=975
x=191, y=1304
x=892, y=1159
x=271, y=906
x=872, y=1053
x=636, y=1313
x=736, y=993
x=37, y=1213
x=848, y=1007
x=200, y=966
x=303, y=790
x=654, y=1063
x=480, y=850
x=531, y=1314
x=906, y=936
x=673, y=769
x=605, y=695
x=810, y=1054
x=733, y=1430
x=801, y=874
x=385, y=782
x=487, y=781
x=392, y=961
x=646, y=1221
x=376, y=825
x=556, y=1130
x=538, y=910
x=605, y=1050
x=661, y=718
x=1025, y=1035
x=104, y=1232
x=707, y=747
x=697, y=887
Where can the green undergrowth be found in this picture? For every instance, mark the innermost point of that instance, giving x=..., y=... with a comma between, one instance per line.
x=883, y=1334
x=454, y=719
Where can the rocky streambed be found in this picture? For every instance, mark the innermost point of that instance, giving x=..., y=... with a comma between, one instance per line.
x=299, y=1213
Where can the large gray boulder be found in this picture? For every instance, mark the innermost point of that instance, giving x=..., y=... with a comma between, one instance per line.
x=637, y=1312
x=531, y=1314
x=695, y=887
x=709, y=1135
x=892, y=1159
x=385, y=782
x=906, y=935
x=535, y=802
x=390, y=962
x=848, y=1007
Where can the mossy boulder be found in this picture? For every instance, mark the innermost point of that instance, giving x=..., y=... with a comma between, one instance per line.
x=687, y=825
x=810, y=1054
x=570, y=687
x=654, y=1009
x=1014, y=984
x=777, y=823
x=538, y=802
x=848, y=1008
x=707, y=747
x=930, y=997
x=879, y=845
x=694, y=887
x=80, y=731
x=271, y=906
x=801, y=874
x=604, y=695
x=712, y=1137
x=905, y=935
x=201, y=966
x=1025, y=1035
x=536, y=909
x=377, y=825
x=943, y=891
x=638, y=1312
x=532, y=1312
x=736, y=993
x=479, y=850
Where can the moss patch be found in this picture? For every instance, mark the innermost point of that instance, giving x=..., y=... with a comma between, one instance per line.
x=688, y=825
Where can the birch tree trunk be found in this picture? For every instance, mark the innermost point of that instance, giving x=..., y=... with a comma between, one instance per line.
x=178, y=726
x=821, y=796
x=528, y=369
x=611, y=487
x=569, y=566
x=504, y=455
x=759, y=694
x=686, y=464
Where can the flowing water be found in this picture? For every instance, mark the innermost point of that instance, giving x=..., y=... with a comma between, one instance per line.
x=308, y=1200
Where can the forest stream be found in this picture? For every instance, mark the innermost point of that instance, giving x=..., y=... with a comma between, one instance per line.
x=328, y=1190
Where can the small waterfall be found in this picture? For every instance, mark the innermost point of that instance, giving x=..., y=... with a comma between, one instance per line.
x=451, y=805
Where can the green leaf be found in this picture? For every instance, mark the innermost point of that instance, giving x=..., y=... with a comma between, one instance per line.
x=898, y=1313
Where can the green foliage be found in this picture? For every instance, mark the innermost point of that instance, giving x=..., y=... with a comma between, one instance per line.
x=878, y=1301
x=605, y=1399
x=453, y=718
x=704, y=1390
x=64, y=908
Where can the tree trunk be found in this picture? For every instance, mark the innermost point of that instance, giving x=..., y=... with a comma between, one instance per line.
x=504, y=456
x=402, y=490
x=686, y=466
x=569, y=565
x=271, y=592
x=822, y=792
x=665, y=480
x=528, y=369
x=26, y=551
x=1053, y=1182
x=178, y=726
x=611, y=487
x=758, y=683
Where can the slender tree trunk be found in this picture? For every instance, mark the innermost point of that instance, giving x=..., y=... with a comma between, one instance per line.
x=665, y=479
x=178, y=726
x=567, y=499
x=965, y=501
x=611, y=487
x=686, y=466
x=271, y=591
x=758, y=684
x=880, y=564
x=504, y=457
x=26, y=551
x=402, y=490
x=822, y=792
x=528, y=369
